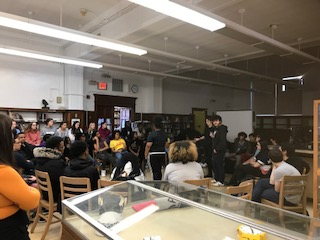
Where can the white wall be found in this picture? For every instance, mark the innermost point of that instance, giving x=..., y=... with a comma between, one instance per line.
x=25, y=82
x=180, y=97
x=147, y=101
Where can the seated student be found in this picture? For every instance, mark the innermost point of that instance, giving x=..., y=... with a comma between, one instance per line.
x=49, y=159
x=118, y=145
x=268, y=188
x=26, y=148
x=62, y=131
x=48, y=128
x=257, y=166
x=75, y=129
x=80, y=166
x=33, y=134
x=100, y=148
x=183, y=166
x=26, y=166
x=128, y=169
x=240, y=148
x=289, y=156
x=135, y=144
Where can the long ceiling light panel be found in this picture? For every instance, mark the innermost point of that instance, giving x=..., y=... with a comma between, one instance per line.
x=45, y=29
x=45, y=57
x=182, y=13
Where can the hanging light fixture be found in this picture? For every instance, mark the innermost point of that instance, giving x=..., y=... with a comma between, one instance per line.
x=47, y=57
x=182, y=13
x=45, y=29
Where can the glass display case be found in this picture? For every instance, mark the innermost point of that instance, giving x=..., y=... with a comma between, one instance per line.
x=163, y=210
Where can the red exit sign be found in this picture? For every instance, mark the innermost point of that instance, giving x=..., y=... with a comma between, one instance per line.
x=102, y=86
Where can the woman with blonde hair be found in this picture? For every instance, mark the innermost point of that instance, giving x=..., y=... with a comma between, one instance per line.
x=15, y=195
x=32, y=134
x=183, y=166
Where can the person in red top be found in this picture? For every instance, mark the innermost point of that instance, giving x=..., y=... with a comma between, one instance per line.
x=104, y=132
x=32, y=134
x=15, y=195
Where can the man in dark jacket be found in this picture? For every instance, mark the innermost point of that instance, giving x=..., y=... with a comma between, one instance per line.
x=26, y=149
x=49, y=159
x=80, y=166
x=219, y=148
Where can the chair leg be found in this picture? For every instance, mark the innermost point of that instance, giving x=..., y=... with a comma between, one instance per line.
x=49, y=220
x=36, y=219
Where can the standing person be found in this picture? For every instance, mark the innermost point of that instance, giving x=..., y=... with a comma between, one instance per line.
x=74, y=130
x=62, y=131
x=219, y=148
x=104, y=132
x=207, y=143
x=15, y=195
x=155, y=148
x=33, y=134
x=48, y=128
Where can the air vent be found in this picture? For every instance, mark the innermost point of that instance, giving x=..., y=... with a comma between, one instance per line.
x=117, y=85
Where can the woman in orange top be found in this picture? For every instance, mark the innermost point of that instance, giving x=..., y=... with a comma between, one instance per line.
x=15, y=195
x=33, y=134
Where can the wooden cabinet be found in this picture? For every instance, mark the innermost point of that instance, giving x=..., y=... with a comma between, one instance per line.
x=24, y=116
x=299, y=128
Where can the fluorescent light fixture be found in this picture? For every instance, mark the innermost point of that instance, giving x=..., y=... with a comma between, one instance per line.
x=24, y=24
x=182, y=13
x=292, y=78
x=50, y=58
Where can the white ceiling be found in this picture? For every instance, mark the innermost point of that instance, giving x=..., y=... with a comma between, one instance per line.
x=229, y=51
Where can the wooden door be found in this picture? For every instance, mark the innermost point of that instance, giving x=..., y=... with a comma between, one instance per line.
x=199, y=119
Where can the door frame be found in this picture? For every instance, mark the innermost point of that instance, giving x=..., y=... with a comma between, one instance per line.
x=198, y=109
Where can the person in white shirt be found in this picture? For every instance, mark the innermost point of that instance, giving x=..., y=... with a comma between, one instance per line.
x=183, y=166
x=269, y=188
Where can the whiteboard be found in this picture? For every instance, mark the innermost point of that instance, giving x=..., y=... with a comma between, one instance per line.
x=237, y=121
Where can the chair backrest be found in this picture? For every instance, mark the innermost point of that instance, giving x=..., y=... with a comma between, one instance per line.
x=206, y=182
x=294, y=185
x=105, y=183
x=44, y=186
x=244, y=191
x=73, y=186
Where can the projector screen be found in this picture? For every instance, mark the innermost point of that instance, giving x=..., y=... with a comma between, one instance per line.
x=237, y=121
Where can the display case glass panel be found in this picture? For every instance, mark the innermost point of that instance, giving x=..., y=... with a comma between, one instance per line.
x=134, y=210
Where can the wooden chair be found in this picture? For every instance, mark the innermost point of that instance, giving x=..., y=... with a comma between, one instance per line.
x=243, y=191
x=44, y=186
x=291, y=185
x=73, y=186
x=105, y=183
x=206, y=182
